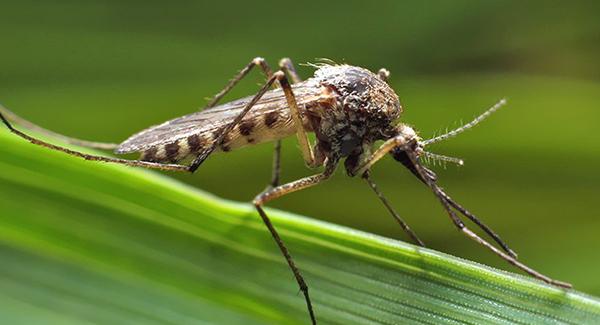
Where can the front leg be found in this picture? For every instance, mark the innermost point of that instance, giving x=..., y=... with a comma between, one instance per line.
x=387, y=146
x=277, y=192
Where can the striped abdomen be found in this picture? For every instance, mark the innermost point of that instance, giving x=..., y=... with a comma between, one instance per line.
x=269, y=119
x=177, y=150
x=252, y=130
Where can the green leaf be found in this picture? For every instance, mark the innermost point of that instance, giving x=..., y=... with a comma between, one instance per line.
x=86, y=242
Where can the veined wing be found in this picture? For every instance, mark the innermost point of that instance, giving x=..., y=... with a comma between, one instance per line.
x=268, y=119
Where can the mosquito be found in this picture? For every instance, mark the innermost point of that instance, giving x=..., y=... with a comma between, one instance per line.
x=348, y=108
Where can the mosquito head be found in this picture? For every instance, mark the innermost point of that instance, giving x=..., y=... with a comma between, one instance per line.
x=412, y=142
x=414, y=145
x=417, y=145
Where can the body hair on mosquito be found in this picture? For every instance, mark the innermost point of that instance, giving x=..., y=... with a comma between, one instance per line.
x=320, y=63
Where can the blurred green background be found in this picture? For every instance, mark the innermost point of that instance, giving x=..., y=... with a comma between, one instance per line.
x=102, y=70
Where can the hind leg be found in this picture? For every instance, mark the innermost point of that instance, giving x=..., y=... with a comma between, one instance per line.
x=257, y=61
x=135, y=163
x=14, y=118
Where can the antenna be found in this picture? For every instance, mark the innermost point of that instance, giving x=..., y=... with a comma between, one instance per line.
x=467, y=126
x=435, y=156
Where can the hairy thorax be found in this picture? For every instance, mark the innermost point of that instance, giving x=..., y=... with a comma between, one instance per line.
x=359, y=109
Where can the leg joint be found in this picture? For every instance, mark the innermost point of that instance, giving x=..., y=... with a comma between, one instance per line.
x=280, y=75
x=284, y=62
x=459, y=224
x=258, y=60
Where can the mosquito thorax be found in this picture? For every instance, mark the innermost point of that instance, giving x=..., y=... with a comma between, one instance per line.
x=361, y=90
x=363, y=111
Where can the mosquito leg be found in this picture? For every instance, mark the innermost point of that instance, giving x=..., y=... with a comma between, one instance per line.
x=287, y=89
x=386, y=147
x=279, y=191
x=14, y=118
x=139, y=163
x=463, y=228
x=405, y=160
x=400, y=141
x=279, y=75
x=396, y=216
x=479, y=223
x=276, y=172
x=287, y=66
x=305, y=147
x=384, y=74
x=258, y=61
x=135, y=163
x=109, y=146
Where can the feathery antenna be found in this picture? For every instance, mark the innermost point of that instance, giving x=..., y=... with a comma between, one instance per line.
x=467, y=126
x=435, y=156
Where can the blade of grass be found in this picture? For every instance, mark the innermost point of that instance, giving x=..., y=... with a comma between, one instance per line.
x=88, y=242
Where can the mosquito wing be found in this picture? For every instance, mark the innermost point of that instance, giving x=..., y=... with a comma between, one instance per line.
x=269, y=119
